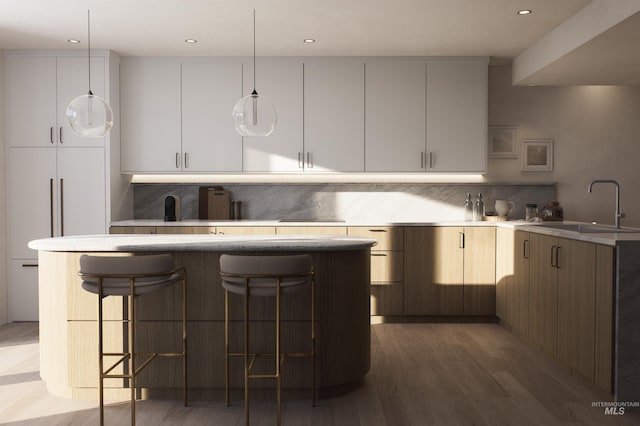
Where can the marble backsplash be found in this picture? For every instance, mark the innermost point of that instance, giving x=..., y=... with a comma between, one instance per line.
x=352, y=202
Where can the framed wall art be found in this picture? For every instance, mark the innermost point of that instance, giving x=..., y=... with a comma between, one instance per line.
x=503, y=142
x=537, y=155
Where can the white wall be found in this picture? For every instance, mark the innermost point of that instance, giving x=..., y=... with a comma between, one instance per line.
x=596, y=132
x=3, y=233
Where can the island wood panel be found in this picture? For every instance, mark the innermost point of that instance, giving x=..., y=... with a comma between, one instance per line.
x=576, y=305
x=479, y=271
x=518, y=293
x=604, y=317
x=433, y=271
x=504, y=273
x=543, y=303
x=246, y=230
x=69, y=351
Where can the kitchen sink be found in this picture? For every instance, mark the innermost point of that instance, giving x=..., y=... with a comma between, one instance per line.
x=587, y=228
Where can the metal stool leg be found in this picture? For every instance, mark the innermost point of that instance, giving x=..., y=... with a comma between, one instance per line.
x=100, y=352
x=313, y=342
x=246, y=352
x=132, y=349
x=278, y=392
x=226, y=346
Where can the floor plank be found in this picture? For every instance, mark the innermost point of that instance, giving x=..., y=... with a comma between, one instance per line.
x=421, y=374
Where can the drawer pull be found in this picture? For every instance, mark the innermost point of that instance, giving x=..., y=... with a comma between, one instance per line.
x=377, y=230
x=29, y=265
x=379, y=254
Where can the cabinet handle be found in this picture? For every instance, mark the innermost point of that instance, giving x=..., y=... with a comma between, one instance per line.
x=186, y=160
x=461, y=240
x=61, y=207
x=553, y=256
x=525, y=249
x=422, y=160
x=51, y=204
x=61, y=141
x=377, y=230
x=309, y=163
x=51, y=134
x=300, y=162
x=558, y=257
x=177, y=160
x=29, y=265
x=431, y=160
x=379, y=254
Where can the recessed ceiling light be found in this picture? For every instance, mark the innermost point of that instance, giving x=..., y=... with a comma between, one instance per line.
x=73, y=41
x=524, y=12
x=191, y=40
x=309, y=40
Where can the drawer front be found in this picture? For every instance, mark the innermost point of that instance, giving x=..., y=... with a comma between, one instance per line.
x=389, y=238
x=387, y=266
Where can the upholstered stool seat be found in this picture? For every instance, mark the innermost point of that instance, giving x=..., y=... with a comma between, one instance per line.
x=131, y=277
x=266, y=276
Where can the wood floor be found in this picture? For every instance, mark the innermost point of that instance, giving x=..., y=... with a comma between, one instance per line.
x=422, y=374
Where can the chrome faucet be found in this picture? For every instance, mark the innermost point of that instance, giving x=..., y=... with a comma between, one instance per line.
x=619, y=214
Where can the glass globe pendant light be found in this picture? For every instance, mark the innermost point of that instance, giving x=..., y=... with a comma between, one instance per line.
x=89, y=115
x=254, y=116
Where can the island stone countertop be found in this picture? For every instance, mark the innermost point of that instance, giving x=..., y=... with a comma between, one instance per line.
x=205, y=242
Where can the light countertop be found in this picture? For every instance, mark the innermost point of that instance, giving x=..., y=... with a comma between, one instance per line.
x=546, y=228
x=202, y=242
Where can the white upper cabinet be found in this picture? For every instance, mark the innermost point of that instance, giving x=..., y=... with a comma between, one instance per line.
x=150, y=99
x=39, y=89
x=210, y=142
x=395, y=117
x=334, y=117
x=457, y=117
x=282, y=150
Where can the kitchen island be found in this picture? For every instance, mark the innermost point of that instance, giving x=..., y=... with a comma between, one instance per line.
x=68, y=330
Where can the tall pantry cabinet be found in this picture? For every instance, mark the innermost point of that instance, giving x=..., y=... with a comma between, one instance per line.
x=56, y=181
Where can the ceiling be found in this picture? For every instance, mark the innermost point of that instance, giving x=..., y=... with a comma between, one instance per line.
x=340, y=27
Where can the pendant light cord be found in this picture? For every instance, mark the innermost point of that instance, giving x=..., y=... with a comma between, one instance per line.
x=254, y=51
x=89, y=47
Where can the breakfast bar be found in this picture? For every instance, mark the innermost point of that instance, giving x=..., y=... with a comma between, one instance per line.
x=68, y=330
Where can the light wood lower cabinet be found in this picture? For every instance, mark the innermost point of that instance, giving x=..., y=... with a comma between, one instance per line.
x=311, y=230
x=604, y=317
x=543, y=304
x=433, y=271
x=246, y=230
x=387, y=268
x=450, y=271
x=512, y=279
x=132, y=230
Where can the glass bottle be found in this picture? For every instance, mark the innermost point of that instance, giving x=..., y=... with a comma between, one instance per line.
x=478, y=208
x=468, y=208
x=531, y=212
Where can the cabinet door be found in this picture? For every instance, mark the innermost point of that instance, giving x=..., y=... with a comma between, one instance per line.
x=73, y=81
x=395, y=117
x=312, y=230
x=605, y=266
x=282, y=150
x=246, y=230
x=479, y=271
x=82, y=189
x=518, y=293
x=22, y=290
x=433, y=271
x=210, y=142
x=150, y=116
x=457, y=117
x=30, y=108
x=334, y=117
x=576, y=305
x=31, y=198
x=543, y=302
x=504, y=273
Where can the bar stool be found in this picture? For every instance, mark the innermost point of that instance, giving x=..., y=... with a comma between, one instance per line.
x=131, y=277
x=270, y=276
